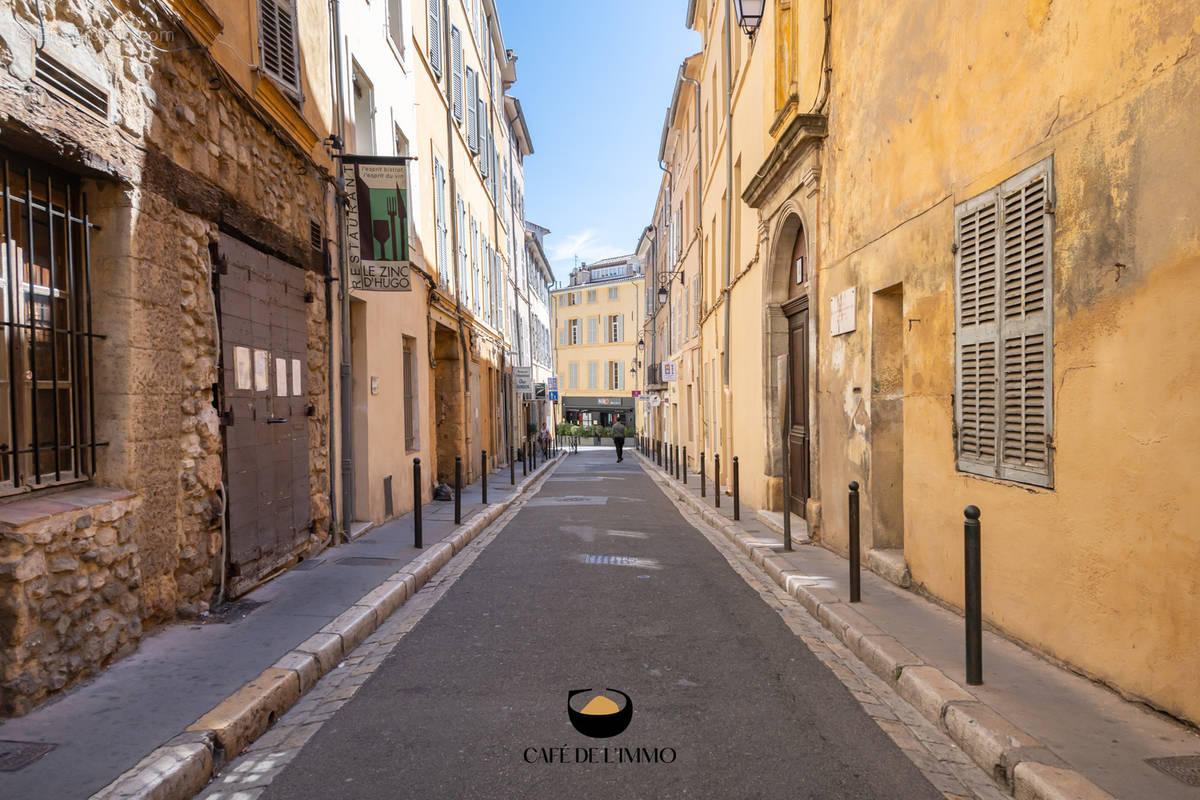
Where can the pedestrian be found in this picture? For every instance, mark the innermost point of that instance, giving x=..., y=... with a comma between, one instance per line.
x=618, y=437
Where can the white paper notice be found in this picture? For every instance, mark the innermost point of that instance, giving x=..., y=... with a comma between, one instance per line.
x=281, y=381
x=841, y=312
x=262, y=366
x=297, y=388
x=241, y=368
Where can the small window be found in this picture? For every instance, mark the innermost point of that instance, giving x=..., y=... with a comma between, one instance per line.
x=411, y=427
x=573, y=375
x=613, y=293
x=592, y=330
x=593, y=374
x=573, y=327
x=591, y=295
x=278, y=52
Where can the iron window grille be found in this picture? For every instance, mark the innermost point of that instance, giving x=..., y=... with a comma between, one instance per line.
x=47, y=402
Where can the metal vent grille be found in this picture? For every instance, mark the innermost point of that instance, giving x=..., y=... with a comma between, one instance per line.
x=314, y=234
x=68, y=85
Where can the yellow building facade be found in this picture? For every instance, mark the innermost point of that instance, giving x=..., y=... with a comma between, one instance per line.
x=957, y=268
x=596, y=322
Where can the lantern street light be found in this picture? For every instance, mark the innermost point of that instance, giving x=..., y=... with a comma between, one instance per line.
x=749, y=15
x=662, y=294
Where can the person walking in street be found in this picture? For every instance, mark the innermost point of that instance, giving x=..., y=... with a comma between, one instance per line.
x=618, y=437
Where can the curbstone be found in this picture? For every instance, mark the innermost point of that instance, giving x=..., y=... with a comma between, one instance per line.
x=986, y=737
x=325, y=647
x=1034, y=781
x=385, y=598
x=305, y=665
x=247, y=713
x=886, y=657
x=928, y=690
x=353, y=625
x=178, y=769
x=408, y=579
x=848, y=625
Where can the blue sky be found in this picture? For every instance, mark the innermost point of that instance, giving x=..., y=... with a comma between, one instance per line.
x=594, y=78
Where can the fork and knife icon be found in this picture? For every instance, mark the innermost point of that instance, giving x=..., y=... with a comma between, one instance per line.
x=384, y=230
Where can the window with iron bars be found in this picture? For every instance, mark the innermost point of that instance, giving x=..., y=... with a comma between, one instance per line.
x=47, y=406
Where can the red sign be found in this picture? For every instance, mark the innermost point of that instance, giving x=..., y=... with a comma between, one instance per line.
x=637, y=393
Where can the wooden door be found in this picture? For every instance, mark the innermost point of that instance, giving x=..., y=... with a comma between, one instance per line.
x=797, y=424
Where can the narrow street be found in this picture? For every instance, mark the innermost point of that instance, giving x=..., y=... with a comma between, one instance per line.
x=597, y=582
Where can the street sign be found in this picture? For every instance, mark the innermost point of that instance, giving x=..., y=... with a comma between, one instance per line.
x=523, y=380
x=539, y=391
x=553, y=395
x=656, y=400
x=669, y=371
x=552, y=383
x=637, y=393
x=377, y=223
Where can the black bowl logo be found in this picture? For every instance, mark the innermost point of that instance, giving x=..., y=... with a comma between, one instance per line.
x=601, y=716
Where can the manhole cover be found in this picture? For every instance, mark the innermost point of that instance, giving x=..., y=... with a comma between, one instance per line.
x=366, y=561
x=16, y=755
x=1181, y=768
x=308, y=564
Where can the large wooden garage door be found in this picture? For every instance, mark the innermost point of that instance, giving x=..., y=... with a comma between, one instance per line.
x=263, y=343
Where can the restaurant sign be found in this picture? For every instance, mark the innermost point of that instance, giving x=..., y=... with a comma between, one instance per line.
x=377, y=223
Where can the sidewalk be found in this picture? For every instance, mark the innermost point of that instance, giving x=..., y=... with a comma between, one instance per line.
x=220, y=668
x=1040, y=730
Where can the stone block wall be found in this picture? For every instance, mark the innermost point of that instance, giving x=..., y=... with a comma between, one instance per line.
x=69, y=577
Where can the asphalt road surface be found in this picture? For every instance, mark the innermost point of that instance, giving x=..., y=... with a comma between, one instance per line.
x=599, y=583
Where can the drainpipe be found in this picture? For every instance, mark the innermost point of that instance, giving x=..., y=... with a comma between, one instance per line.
x=699, y=231
x=347, y=399
x=728, y=182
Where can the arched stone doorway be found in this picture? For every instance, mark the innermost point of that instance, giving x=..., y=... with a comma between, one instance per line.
x=788, y=351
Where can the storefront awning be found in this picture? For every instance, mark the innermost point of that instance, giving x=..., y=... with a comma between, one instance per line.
x=597, y=403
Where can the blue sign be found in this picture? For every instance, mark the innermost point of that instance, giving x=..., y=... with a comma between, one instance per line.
x=553, y=395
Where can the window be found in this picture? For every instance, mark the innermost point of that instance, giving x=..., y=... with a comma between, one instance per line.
x=616, y=328
x=616, y=371
x=410, y=395
x=571, y=298
x=439, y=206
x=1004, y=341
x=573, y=331
x=591, y=295
x=573, y=375
x=593, y=328
x=278, y=53
x=578, y=298
x=395, y=20
x=593, y=374
x=364, y=112
x=46, y=403
x=435, y=36
x=614, y=293
x=456, y=72
x=462, y=251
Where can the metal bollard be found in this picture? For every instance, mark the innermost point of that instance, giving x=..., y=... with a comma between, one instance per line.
x=458, y=490
x=676, y=462
x=737, y=500
x=524, y=461
x=483, y=478
x=855, y=568
x=512, y=466
x=973, y=605
x=702, y=491
x=533, y=454
x=684, y=465
x=417, y=503
x=717, y=478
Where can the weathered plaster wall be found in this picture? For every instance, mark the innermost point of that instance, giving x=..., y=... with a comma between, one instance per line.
x=1100, y=571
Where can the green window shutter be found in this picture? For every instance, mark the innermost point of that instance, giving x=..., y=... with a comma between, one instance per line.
x=435, y=36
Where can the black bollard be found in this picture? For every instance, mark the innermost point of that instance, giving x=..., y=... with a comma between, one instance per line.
x=684, y=465
x=458, y=490
x=717, y=478
x=703, y=493
x=676, y=462
x=973, y=607
x=417, y=503
x=524, y=461
x=737, y=500
x=855, y=573
x=512, y=467
x=483, y=478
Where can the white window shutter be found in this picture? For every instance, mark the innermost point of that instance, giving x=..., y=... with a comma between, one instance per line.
x=435, y=35
x=472, y=110
x=485, y=149
x=1026, y=330
x=456, y=68
x=279, y=55
x=620, y=327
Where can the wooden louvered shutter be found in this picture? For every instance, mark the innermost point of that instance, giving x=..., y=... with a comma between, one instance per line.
x=472, y=111
x=485, y=148
x=277, y=42
x=435, y=36
x=456, y=71
x=977, y=335
x=1003, y=325
x=1026, y=327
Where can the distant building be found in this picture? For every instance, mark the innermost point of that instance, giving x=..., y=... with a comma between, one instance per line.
x=597, y=317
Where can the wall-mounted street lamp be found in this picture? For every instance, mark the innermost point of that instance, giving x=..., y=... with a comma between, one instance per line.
x=662, y=294
x=749, y=14
x=641, y=343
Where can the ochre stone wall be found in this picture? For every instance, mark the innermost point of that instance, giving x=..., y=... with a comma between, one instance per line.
x=69, y=577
